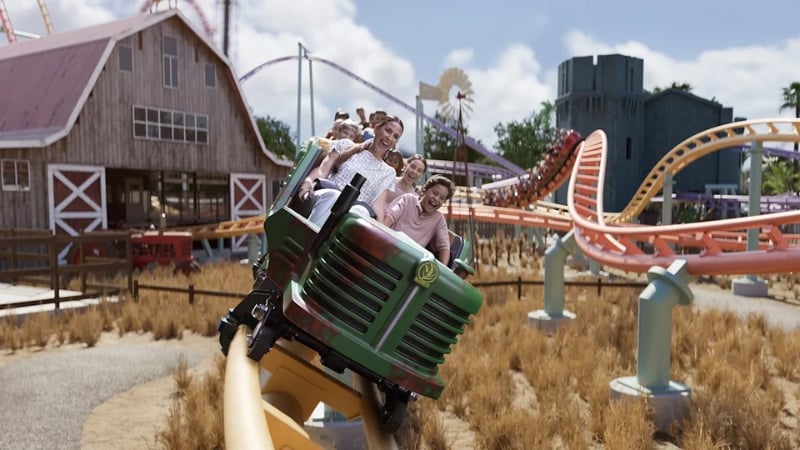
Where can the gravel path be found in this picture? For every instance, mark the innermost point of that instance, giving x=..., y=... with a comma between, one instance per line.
x=778, y=313
x=46, y=398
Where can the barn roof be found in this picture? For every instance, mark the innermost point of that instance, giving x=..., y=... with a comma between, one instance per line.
x=45, y=82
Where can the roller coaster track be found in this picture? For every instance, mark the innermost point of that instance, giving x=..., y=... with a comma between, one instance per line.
x=207, y=28
x=722, y=244
x=541, y=215
x=231, y=228
x=725, y=136
x=512, y=168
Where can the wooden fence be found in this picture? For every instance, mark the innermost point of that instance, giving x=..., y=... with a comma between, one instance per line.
x=31, y=257
x=519, y=282
x=191, y=291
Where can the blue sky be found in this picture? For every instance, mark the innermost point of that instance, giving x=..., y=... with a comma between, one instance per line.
x=741, y=53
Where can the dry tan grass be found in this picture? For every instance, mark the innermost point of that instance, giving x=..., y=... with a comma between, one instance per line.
x=733, y=366
x=512, y=385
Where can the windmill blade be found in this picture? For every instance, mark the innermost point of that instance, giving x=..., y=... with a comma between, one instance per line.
x=449, y=105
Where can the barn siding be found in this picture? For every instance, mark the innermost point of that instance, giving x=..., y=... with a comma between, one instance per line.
x=103, y=132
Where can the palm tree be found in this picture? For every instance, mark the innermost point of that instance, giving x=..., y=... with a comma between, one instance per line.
x=779, y=178
x=791, y=99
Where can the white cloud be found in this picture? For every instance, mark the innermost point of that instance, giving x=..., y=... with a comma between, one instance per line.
x=509, y=87
x=335, y=38
x=458, y=57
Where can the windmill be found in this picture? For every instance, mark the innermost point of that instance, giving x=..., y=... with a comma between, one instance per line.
x=455, y=96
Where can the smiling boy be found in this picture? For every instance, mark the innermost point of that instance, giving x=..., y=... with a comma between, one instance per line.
x=419, y=216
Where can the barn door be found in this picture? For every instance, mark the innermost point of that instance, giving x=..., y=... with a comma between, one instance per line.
x=76, y=199
x=248, y=198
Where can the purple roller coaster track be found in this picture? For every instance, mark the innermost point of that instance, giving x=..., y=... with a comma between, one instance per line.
x=507, y=169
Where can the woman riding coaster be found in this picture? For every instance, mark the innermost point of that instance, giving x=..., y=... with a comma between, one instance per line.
x=407, y=182
x=366, y=159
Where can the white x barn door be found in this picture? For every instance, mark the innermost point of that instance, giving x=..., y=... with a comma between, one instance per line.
x=248, y=199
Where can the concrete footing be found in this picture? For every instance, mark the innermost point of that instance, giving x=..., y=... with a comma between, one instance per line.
x=548, y=322
x=670, y=404
x=747, y=287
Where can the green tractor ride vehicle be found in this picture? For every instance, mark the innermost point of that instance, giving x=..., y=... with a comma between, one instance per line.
x=365, y=297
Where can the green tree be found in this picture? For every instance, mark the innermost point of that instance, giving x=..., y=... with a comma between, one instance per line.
x=779, y=178
x=276, y=136
x=524, y=142
x=440, y=145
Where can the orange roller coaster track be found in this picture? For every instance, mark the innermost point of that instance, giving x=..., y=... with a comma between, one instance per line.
x=207, y=28
x=723, y=249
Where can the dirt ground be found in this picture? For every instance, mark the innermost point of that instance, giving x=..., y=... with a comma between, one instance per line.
x=131, y=419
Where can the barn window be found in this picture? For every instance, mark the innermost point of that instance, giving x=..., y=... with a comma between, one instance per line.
x=170, y=50
x=125, y=58
x=202, y=129
x=211, y=76
x=166, y=125
x=165, y=120
x=16, y=175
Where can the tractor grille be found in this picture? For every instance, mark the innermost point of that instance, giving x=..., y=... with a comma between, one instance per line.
x=289, y=251
x=434, y=330
x=351, y=284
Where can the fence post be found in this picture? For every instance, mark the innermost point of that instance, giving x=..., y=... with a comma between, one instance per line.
x=83, y=277
x=54, y=281
x=13, y=254
x=519, y=288
x=129, y=262
x=599, y=286
x=135, y=290
x=191, y=294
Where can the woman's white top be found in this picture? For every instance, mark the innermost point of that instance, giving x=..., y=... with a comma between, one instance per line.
x=380, y=176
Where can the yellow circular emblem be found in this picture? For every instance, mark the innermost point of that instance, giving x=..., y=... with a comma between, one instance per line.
x=427, y=273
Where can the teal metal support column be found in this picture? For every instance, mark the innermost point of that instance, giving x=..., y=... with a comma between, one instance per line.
x=754, y=194
x=420, y=132
x=311, y=93
x=207, y=247
x=751, y=285
x=252, y=248
x=666, y=206
x=554, y=260
x=667, y=288
x=668, y=400
x=595, y=267
x=538, y=238
x=299, y=95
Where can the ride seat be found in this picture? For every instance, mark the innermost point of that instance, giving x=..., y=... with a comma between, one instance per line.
x=456, y=247
x=456, y=264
